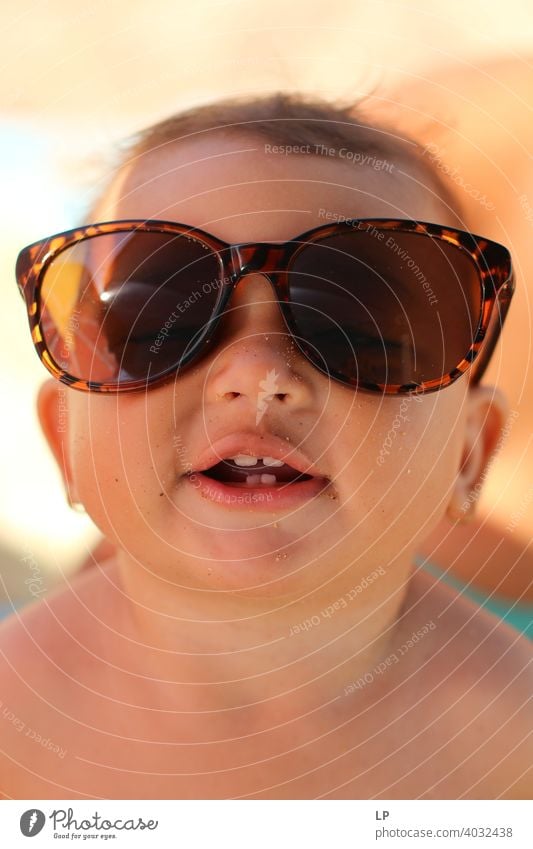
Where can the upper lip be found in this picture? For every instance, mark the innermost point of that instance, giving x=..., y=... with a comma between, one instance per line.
x=255, y=445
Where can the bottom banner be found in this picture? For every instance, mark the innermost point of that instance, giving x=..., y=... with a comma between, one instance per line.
x=267, y=824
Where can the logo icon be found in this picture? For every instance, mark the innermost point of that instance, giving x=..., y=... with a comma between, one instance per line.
x=268, y=388
x=32, y=822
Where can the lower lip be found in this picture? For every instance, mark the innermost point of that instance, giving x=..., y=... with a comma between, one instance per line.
x=264, y=497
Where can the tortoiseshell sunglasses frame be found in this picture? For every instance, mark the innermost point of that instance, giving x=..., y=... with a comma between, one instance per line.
x=492, y=260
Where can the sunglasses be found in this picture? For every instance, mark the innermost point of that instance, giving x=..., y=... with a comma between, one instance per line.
x=388, y=306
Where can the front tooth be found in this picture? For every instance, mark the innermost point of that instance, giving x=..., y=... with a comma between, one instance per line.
x=255, y=480
x=270, y=461
x=244, y=460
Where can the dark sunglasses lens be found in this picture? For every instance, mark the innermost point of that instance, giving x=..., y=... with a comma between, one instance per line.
x=126, y=306
x=385, y=307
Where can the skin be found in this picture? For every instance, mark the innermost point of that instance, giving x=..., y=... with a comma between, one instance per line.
x=187, y=636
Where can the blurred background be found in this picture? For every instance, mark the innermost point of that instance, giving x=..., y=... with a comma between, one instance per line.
x=76, y=78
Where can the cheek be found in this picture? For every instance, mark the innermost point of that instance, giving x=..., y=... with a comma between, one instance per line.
x=401, y=461
x=122, y=459
x=419, y=471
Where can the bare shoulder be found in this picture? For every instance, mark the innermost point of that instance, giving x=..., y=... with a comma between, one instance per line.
x=484, y=672
x=43, y=630
x=462, y=624
x=49, y=653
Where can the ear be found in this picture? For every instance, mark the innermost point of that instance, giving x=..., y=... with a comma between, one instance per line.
x=487, y=411
x=52, y=411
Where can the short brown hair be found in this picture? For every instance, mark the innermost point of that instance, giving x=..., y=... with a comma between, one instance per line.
x=289, y=119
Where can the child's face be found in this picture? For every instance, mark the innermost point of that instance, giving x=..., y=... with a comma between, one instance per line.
x=128, y=454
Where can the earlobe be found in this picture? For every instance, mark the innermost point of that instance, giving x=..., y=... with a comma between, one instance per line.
x=487, y=410
x=52, y=412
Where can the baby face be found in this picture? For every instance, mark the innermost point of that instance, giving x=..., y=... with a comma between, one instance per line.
x=383, y=466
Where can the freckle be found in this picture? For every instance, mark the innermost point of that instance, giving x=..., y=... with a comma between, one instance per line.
x=116, y=480
x=161, y=494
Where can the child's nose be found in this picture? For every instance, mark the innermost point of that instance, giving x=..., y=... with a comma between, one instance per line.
x=252, y=309
x=253, y=352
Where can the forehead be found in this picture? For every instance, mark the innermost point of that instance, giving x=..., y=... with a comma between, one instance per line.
x=242, y=187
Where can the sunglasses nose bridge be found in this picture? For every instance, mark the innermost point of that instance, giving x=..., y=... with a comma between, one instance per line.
x=260, y=257
x=252, y=258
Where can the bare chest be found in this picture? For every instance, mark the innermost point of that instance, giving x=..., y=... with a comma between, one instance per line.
x=107, y=749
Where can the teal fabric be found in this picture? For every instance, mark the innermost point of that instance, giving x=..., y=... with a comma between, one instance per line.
x=515, y=613
x=5, y=610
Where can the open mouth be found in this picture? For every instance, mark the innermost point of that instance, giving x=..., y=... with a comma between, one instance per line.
x=254, y=483
x=254, y=472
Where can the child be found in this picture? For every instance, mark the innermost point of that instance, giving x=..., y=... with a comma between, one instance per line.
x=266, y=479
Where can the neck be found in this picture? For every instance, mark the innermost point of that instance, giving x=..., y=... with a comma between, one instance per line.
x=301, y=653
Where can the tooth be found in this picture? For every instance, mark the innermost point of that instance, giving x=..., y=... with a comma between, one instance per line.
x=244, y=460
x=256, y=480
x=270, y=461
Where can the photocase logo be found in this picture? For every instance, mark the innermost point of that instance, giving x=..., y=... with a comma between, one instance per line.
x=268, y=388
x=32, y=822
